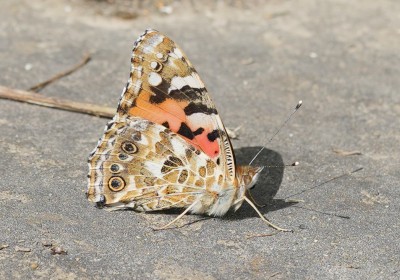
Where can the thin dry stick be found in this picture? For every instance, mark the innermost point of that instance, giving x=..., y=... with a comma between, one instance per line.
x=58, y=76
x=261, y=235
x=38, y=99
x=347, y=153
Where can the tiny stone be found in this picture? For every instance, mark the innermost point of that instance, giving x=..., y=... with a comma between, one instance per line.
x=34, y=265
x=302, y=226
x=166, y=10
x=28, y=66
x=247, y=61
x=58, y=251
x=46, y=243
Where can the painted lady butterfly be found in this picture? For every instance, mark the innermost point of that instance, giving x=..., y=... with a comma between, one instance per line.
x=167, y=147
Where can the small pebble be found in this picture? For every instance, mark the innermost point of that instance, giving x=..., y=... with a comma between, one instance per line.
x=34, y=265
x=28, y=66
x=166, y=10
x=47, y=243
x=247, y=61
x=58, y=251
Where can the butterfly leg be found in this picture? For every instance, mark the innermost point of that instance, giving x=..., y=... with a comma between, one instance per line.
x=177, y=218
x=263, y=218
x=254, y=201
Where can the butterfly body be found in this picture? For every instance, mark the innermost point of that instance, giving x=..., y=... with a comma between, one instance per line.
x=166, y=147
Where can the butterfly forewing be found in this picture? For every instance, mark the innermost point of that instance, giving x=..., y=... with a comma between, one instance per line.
x=166, y=89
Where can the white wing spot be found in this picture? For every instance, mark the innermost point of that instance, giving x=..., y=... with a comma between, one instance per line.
x=139, y=71
x=152, y=43
x=178, y=52
x=137, y=86
x=191, y=80
x=139, y=124
x=159, y=55
x=154, y=79
x=153, y=64
x=154, y=168
x=177, y=147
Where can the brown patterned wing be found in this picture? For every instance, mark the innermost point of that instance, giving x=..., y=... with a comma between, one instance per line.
x=142, y=165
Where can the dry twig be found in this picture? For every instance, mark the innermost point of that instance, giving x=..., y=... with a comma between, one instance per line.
x=261, y=235
x=347, y=153
x=52, y=102
x=58, y=76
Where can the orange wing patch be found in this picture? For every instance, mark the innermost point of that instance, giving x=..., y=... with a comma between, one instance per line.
x=171, y=114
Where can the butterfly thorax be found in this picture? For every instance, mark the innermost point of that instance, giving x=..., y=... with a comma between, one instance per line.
x=246, y=178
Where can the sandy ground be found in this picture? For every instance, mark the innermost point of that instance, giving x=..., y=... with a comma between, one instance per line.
x=257, y=59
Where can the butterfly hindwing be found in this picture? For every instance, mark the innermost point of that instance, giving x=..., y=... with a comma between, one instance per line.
x=142, y=165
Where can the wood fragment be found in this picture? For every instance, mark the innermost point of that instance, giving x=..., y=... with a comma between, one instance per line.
x=261, y=235
x=294, y=200
x=22, y=249
x=274, y=274
x=58, y=76
x=346, y=153
x=52, y=102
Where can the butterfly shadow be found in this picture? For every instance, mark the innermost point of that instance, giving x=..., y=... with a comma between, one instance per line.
x=268, y=183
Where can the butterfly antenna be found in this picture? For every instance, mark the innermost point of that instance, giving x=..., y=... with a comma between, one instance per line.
x=277, y=131
x=326, y=182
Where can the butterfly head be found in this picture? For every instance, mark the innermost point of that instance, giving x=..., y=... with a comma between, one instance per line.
x=246, y=177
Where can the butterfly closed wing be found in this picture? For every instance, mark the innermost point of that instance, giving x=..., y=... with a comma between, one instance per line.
x=166, y=147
